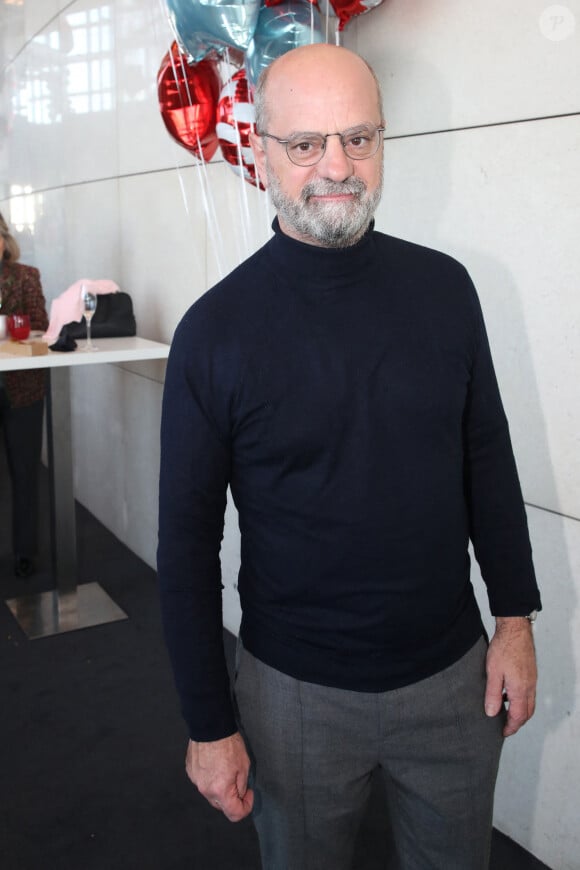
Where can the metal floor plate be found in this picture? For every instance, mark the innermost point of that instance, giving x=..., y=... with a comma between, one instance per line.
x=52, y=613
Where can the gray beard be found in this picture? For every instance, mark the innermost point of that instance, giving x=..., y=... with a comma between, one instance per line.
x=331, y=225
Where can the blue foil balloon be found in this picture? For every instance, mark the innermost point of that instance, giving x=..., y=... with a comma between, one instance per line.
x=206, y=26
x=281, y=28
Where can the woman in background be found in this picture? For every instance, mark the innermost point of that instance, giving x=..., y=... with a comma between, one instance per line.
x=22, y=403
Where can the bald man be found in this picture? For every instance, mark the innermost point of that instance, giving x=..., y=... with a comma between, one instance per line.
x=340, y=382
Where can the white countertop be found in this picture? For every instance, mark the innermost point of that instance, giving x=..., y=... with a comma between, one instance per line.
x=109, y=350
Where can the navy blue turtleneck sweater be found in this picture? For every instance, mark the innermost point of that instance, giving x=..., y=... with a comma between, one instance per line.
x=349, y=400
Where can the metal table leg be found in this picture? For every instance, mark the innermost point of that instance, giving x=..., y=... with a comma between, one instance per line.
x=68, y=607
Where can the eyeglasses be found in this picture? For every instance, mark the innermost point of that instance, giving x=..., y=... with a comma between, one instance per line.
x=306, y=149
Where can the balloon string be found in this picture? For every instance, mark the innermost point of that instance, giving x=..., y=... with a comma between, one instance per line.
x=208, y=202
x=182, y=188
x=164, y=12
x=243, y=200
x=201, y=171
x=170, y=21
x=244, y=207
x=208, y=206
x=213, y=225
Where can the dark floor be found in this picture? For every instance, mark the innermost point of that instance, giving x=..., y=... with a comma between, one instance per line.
x=92, y=745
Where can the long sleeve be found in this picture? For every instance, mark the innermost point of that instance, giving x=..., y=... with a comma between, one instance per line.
x=34, y=302
x=195, y=463
x=22, y=292
x=498, y=524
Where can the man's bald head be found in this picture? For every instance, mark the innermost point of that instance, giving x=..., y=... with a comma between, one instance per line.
x=318, y=65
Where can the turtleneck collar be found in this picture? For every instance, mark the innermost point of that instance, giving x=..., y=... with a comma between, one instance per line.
x=318, y=264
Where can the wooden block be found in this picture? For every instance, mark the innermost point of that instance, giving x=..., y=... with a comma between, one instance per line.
x=31, y=347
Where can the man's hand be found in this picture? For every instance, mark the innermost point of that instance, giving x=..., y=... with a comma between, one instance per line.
x=511, y=671
x=220, y=771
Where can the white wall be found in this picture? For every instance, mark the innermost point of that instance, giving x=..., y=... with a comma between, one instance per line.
x=483, y=103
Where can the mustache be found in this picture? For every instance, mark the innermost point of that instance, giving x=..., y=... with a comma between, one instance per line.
x=322, y=187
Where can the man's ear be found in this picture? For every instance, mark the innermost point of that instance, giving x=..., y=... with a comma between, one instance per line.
x=259, y=157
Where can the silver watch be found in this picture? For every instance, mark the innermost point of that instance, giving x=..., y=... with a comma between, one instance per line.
x=531, y=617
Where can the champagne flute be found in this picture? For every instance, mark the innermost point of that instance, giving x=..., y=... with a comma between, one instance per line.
x=89, y=308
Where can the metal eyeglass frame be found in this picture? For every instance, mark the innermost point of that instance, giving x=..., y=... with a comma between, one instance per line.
x=324, y=137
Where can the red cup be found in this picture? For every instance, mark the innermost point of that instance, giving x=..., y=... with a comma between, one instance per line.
x=19, y=327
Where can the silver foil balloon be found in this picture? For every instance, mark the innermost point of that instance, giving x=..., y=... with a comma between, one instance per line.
x=280, y=28
x=205, y=26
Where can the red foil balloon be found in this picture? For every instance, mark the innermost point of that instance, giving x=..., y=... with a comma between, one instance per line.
x=347, y=9
x=188, y=95
x=235, y=119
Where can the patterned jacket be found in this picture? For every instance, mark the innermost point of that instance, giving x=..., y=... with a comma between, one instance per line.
x=22, y=294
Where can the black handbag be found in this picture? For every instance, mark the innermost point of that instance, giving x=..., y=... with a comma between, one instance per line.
x=113, y=318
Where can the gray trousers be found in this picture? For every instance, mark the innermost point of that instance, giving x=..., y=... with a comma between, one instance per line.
x=314, y=750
